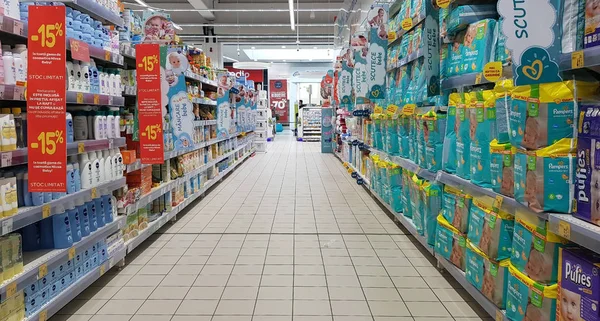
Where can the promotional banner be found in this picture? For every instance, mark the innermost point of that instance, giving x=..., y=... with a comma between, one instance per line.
x=255, y=75
x=225, y=113
x=326, y=130
x=158, y=28
x=150, y=112
x=327, y=88
x=360, y=47
x=241, y=100
x=377, y=52
x=345, y=85
x=532, y=30
x=278, y=98
x=46, y=99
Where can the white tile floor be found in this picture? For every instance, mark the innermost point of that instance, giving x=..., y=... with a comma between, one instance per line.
x=288, y=236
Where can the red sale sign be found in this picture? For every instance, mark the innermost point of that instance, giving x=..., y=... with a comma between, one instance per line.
x=278, y=99
x=46, y=104
x=149, y=107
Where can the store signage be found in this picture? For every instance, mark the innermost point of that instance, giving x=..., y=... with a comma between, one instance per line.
x=532, y=30
x=361, y=74
x=46, y=99
x=377, y=54
x=278, y=98
x=79, y=50
x=346, y=77
x=254, y=75
x=149, y=103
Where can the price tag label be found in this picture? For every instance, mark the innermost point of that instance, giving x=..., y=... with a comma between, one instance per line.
x=43, y=271
x=81, y=148
x=6, y=159
x=79, y=50
x=107, y=55
x=94, y=192
x=7, y=226
x=43, y=316
x=564, y=229
x=46, y=211
x=577, y=60
x=11, y=289
x=350, y=170
x=71, y=253
x=18, y=27
x=478, y=79
x=96, y=99
x=79, y=98
x=407, y=23
x=499, y=315
x=443, y=3
x=492, y=71
x=102, y=270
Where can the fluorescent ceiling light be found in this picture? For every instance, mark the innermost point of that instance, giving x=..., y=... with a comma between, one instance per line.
x=231, y=59
x=289, y=54
x=283, y=47
x=253, y=48
x=291, y=5
x=142, y=3
x=251, y=65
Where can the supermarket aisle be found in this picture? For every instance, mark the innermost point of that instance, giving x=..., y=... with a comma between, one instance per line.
x=287, y=234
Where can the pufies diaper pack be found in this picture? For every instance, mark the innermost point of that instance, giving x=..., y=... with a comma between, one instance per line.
x=503, y=91
x=488, y=276
x=491, y=230
x=587, y=180
x=578, y=285
x=542, y=114
x=450, y=243
x=478, y=46
x=502, y=168
x=535, y=249
x=465, y=133
x=592, y=24
x=528, y=300
x=482, y=124
x=462, y=16
x=456, y=207
x=434, y=128
x=450, y=150
x=543, y=177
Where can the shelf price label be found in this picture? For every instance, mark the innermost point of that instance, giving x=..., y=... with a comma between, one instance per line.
x=46, y=99
x=80, y=50
x=564, y=229
x=43, y=271
x=149, y=103
x=43, y=316
x=577, y=60
x=11, y=289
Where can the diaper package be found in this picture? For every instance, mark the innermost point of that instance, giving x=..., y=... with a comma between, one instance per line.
x=443, y=21
x=449, y=151
x=421, y=151
x=483, y=118
x=406, y=191
x=488, y=276
x=543, y=178
x=527, y=300
x=455, y=56
x=391, y=136
x=579, y=285
x=592, y=24
x=434, y=128
x=535, y=248
x=573, y=24
x=456, y=207
x=432, y=200
x=542, y=114
x=404, y=135
x=450, y=243
x=465, y=133
x=416, y=38
x=502, y=168
x=491, y=231
x=478, y=47
x=502, y=52
x=587, y=180
x=503, y=91
x=462, y=16
x=417, y=8
x=416, y=203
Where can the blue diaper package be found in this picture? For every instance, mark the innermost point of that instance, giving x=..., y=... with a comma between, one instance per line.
x=421, y=153
x=396, y=198
x=462, y=16
x=543, y=177
x=392, y=144
x=483, y=117
x=443, y=21
x=491, y=230
x=490, y=277
x=478, y=47
x=450, y=243
x=432, y=200
x=449, y=152
x=406, y=181
x=503, y=92
x=404, y=135
x=502, y=52
x=434, y=129
x=456, y=207
x=587, y=182
x=465, y=133
x=528, y=300
x=502, y=168
x=416, y=203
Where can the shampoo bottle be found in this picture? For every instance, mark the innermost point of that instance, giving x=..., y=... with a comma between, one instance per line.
x=74, y=220
x=84, y=217
x=96, y=178
x=94, y=78
x=108, y=207
x=80, y=126
x=19, y=67
x=85, y=168
x=70, y=76
x=117, y=128
x=100, y=214
x=101, y=164
x=61, y=228
x=77, y=175
x=85, y=77
x=70, y=179
x=77, y=73
x=70, y=129
x=108, y=166
x=98, y=126
x=91, y=209
x=110, y=124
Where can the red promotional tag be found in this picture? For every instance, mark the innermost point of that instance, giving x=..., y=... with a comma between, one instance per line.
x=80, y=50
x=149, y=107
x=46, y=104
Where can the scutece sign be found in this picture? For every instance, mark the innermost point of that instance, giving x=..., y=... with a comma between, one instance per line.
x=533, y=38
x=278, y=98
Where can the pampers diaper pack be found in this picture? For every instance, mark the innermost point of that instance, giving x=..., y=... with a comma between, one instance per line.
x=528, y=300
x=479, y=46
x=403, y=135
x=543, y=177
x=483, y=118
x=503, y=91
x=488, y=276
x=502, y=52
x=491, y=231
x=464, y=136
x=449, y=154
x=462, y=16
x=535, y=248
x=456, y=208
x=450, y=243
x=432, y=193
x=540, y=115
x=406, y=204
x=434, y=128
x=502, y=168
x=578, y=285
x=587, y=180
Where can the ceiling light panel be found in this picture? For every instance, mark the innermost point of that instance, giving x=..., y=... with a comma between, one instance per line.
x=289, y=54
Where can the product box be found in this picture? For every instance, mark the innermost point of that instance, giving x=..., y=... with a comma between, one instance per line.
x=129, y=156
x=579, y=285
x=587, y=177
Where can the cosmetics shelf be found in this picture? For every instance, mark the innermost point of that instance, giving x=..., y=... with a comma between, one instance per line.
x=576, y=230
x=136, y=166
x=128, y=51
x=157, y=224
x=38, y=264
x=406, y=164
x=19, y=156
x=31, y=214
x=406, y=60
x=130, y=91
x=463, y=81
x=70, y=293
x=414, y=22
x=586, y=58
x=104, y=57
x=193, y=76
x=13, y=30
x=175, y=153
x=96, y=11
x=204, y=101
x=80, y=98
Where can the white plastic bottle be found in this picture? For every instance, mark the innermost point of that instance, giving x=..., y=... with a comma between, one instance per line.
x=85, y=77
x=19, y=67
x=85, y=170
x=117, y=128
x=109, y=171
x=77, y=73
x=70, y=133
x=94, y=78
x=118, y=161
x=21, y=49
x=96, y=179
x=98, y=126
x=101, y=163
x=119, y=90
x=110, y=123
x=80, y=126
x=103, y=83
x=70, y=76
x=9, y=66
x=104, y=124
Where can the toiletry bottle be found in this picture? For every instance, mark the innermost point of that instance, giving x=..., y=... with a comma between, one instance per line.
x=85, y=77
x=76, y=174
x=13, y=134
x=77, y=72
x=70, y=133
x=84, y=217
x=100, y=169
x=9, y=66
x=85, y=168
x=19, y=67
x=91, y=210
x=70, y=77
x=21, y=50
x=96, y=178
x=19, y=127
x=70, y=179
x=98, y=126
x=117, y=126
x=46, y=233
x=119, y=90
x=119, y=163
x=107, y=204
x=47, y=197
x=100, y=216
x=74, y=220
x=94, y=78
x=110, y=123
x=61, y=228
x=80, y=126
x=31, y=237
x=104, y=120
x=109, y=171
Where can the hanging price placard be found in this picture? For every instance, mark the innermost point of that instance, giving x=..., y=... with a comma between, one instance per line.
x=149, y=107
x=46, y=104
